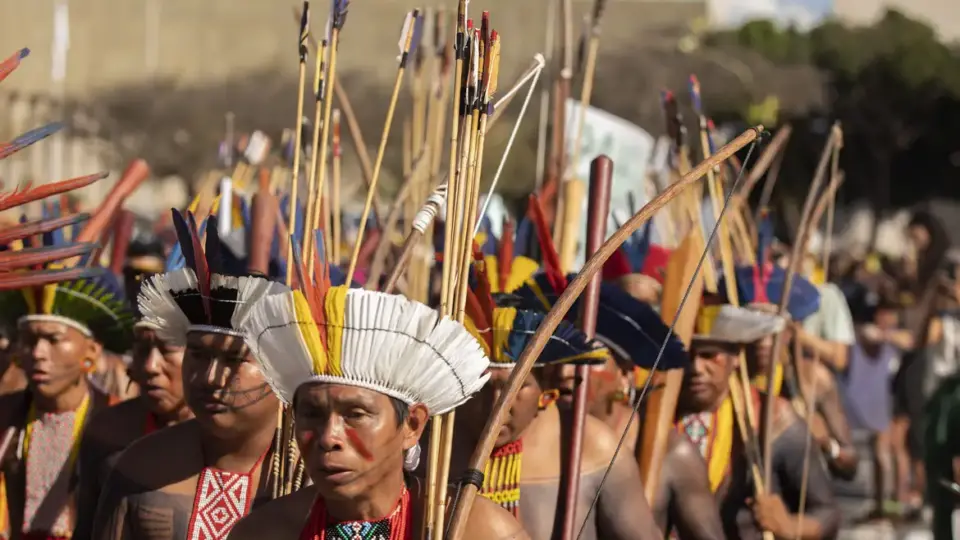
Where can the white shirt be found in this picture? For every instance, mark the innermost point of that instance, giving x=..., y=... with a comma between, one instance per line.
x=832, y=321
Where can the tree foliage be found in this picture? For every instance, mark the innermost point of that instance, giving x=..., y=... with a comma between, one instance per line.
x=896, y=90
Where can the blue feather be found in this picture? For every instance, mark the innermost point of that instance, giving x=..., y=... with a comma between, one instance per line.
x=804, y=296
x=524, y=235
x=564, y=346
x=627, y=324
x=417, y=34
x=297, y=261
x=28, y=242
x=489, y=246
x=175, y=260
x=184, y=240
x=764, y=236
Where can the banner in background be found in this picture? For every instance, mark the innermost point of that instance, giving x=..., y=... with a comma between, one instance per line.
x=628, y=145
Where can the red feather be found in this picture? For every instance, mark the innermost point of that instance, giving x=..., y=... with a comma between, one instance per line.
x=203, y=271
x=551, y=260
x=28, y=193
x=475, y=311
x=505, y=257
x=483, y=290
x=616, y=266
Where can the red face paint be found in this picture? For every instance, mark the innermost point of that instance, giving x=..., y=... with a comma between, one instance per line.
x=358, y=444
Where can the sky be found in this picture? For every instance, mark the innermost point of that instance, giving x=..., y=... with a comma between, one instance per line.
x=802, y=13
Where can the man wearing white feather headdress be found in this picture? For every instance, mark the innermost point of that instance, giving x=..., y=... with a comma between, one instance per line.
x=363, y=371
x=706, y=414
x=196, y=479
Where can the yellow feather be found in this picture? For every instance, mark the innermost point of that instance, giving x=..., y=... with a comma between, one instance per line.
x=521, y=269
x=502, y=326
x=493, y=274
x=706, y=317
x=215, y=206
x=336, y=311
x=475, y=332
x=194, y=204
x=49, y=296
x=30, y=300
x=310, y=333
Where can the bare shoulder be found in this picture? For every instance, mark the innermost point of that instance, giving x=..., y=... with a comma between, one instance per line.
x=121, y=421
x=278, y=519
x=599, y=443
x=681, y=450
x=489, y=521
x=139, y=462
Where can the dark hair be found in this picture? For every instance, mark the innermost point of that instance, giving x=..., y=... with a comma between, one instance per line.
x=932, y=257
x=401, y=410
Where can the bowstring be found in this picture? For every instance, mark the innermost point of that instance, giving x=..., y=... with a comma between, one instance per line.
x=663, y=346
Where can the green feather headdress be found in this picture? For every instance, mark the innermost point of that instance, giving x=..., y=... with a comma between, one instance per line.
x=95, y=306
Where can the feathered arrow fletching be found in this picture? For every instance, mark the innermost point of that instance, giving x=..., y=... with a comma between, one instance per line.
x=28, y=138
x=30, y=194
x=33, y=228
x=304, y=32
x=13, y=62
x=13, y=260
x=339, y=13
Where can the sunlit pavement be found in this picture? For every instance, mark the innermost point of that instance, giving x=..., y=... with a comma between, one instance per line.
x=855, y=502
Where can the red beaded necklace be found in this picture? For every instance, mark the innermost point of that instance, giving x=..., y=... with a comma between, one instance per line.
x=399, y=522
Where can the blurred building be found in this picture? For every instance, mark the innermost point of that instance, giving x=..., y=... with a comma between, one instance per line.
x=942, y=15
x=116, y=43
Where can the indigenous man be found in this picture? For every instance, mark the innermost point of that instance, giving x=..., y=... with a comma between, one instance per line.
x=706, y=414
x=363, y=371
x=221, y=467
x=156, y=370
x=634, y=332
x=537, y=431
x=805, y=379
x=61, y=331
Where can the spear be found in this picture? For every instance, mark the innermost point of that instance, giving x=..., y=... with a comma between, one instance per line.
x=410, y=27
x=295, y=182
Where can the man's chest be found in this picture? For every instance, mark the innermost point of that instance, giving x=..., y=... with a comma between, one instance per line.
x=160, y=515
x=541, y=507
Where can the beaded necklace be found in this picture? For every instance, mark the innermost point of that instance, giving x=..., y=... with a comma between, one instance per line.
x=222, y=498
x=396, y=526
x=47, y=474
x=501, y=476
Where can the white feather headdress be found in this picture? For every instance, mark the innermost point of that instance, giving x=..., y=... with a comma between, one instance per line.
x=174, y=305
x=373, y=340
x=731, y=324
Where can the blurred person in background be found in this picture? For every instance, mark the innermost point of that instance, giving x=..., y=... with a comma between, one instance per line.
x=12, y=378
x=919, y=275
x=865, y=385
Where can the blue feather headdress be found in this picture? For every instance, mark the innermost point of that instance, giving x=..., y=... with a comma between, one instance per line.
x=763, y=283
x=510, y=330
x=631, y=328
